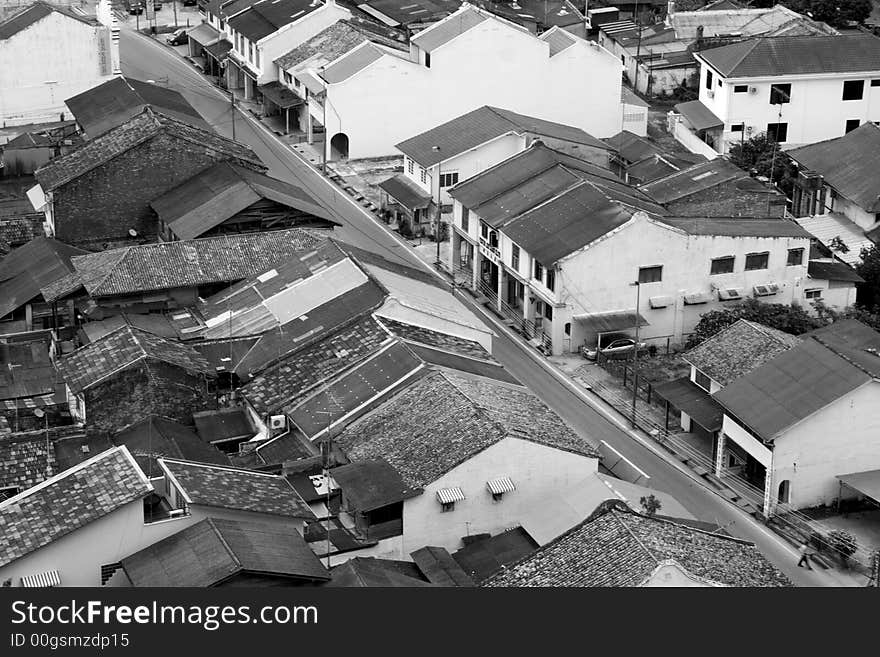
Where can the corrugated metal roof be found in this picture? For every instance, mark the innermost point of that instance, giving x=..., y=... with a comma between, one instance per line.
x=828, y=227
x=558, y=39
x=449, y=28
x=403, y=190
x=351, y=63
x=738, y=226
x=833, y=271
x=698, y=115
x=610, y=321
x=796, y=55
x=688, y=397
x=849, y=164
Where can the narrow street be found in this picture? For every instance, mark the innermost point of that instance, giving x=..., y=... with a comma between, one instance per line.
x=145, y=59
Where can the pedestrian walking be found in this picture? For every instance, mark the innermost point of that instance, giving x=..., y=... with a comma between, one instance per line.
x=805, y=557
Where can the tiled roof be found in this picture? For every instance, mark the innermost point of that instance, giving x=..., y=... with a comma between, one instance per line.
x=35, y=12
x=155, y=437
x=794, y=385
x=739, y=349
x=834, y=226
x=796, y=55
x=68, y=501
x=295, y=376
x=222, y=191
x=833, y=271
x=111, y=104
x=264, y=17
x=126, y=136
x=26, y=460
x=188, y=263
x=480, y=126
x=353, y=62
x=27, y=370
x=444, y=419
x=215, y=549
x=370, y=571
x=745, y=22
x=371, y=484
x=336, y=40
x=30, y=267
x=853, y=341
x=482, y=557
x=20, y=229
x=694, y=179
x=848, y=163
x=619, y=547
x=738, y=226
x=558, y=39
x=631, y=147
x=436, y=339
x=121, y=349
x=235, y=488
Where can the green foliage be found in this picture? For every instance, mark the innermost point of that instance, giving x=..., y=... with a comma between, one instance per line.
x=827, y=315
x=837, y=13
x=869, y=269
x=843, y=542
x=762, y=154
x=650, y=504
x=791, y=319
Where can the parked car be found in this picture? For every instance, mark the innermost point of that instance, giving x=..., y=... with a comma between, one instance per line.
x=614, y=348
x=177, y=38
x=190, y=3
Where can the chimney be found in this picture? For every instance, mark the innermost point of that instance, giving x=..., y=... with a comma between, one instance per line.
x=699, y=32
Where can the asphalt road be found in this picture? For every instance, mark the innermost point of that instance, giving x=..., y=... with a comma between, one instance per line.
x=145, y=59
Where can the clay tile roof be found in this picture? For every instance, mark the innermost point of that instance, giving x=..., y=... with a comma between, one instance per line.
x=619, y=547
x=25, y=460
x=235, y=488
x=119, y=350
x=68, y=501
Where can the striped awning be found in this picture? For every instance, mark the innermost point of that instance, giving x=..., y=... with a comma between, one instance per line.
x=50, y=399
x=500, y=485
x=41, y=581
x=450, y=495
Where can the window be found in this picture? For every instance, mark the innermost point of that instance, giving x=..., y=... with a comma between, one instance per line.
x=780, y=94
x=423, y=174
x=815, y=293
x=795, y=257
x=708, y=79
x=851, y=124
x=702, y=380
x=465, y=219
x=257, y=58
x=568, y=328
x=493, y=239
x=784, y=496
x=410, y=167
x=539, y=271
x=777, y=132
x=428, y=60
x=757, y=260
x=853, y=89
x=737, y=127
x=651, y=274
x=9, y=491
x=548, y=312
x=447, y=506
x=740, y=88
x=720, y=84
x=448, y=179
x=288, y=78
x=484, y=231
x=722, y=265
x=551, y=279
x=108, y=570
x=250, y=52
x=875, y=83
x=514, y=257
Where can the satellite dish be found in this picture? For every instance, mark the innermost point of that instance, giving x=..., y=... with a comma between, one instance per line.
x=132, y=232
x=39, y=412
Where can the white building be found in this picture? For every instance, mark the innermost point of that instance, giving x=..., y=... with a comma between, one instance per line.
x=561, y=262
x=48, y=54
x=796, y=89
x=469, y=59
x=265, y=31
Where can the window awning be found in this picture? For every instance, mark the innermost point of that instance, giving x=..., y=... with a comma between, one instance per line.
x=867, y=483
x=406, y=192
x=695, y=298
x=500, y=485
x=690, y=398
x=450, y=495
x=608, y=322
x=312, y=83
x=280, y=95
x=219, y=50
x=203, y=35
x=698, y=115
x=41, y=581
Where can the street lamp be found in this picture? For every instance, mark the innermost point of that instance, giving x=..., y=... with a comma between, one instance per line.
x=636, y=355
x=436, y=149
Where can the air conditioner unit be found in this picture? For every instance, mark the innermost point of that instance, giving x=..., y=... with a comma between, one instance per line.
x=766, y=290
x=710, y=94
x=278, y=422
x=753, y=90
x=729, y=294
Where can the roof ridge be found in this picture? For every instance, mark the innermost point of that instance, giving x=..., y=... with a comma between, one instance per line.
x=635, y=538
x=219, y=534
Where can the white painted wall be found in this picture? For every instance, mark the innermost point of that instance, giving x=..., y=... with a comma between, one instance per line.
x=54, y=59
x=816, y=111
x=841, y=438
x=491, y=64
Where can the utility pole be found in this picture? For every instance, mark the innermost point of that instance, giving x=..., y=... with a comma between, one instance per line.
x=232, y=106
x=781, y=97
x=636, y=356
x=174, y=7
x=638, y=48
x=436, y=149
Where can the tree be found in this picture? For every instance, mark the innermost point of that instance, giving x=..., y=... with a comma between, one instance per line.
x=650, y=504
x=791, y=319
x=762, y=155
x=843, y=543
x=838, y=13
x=828, y=315
x=869, y=269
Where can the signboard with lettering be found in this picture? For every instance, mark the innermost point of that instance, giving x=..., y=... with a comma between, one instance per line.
x=105, y=63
